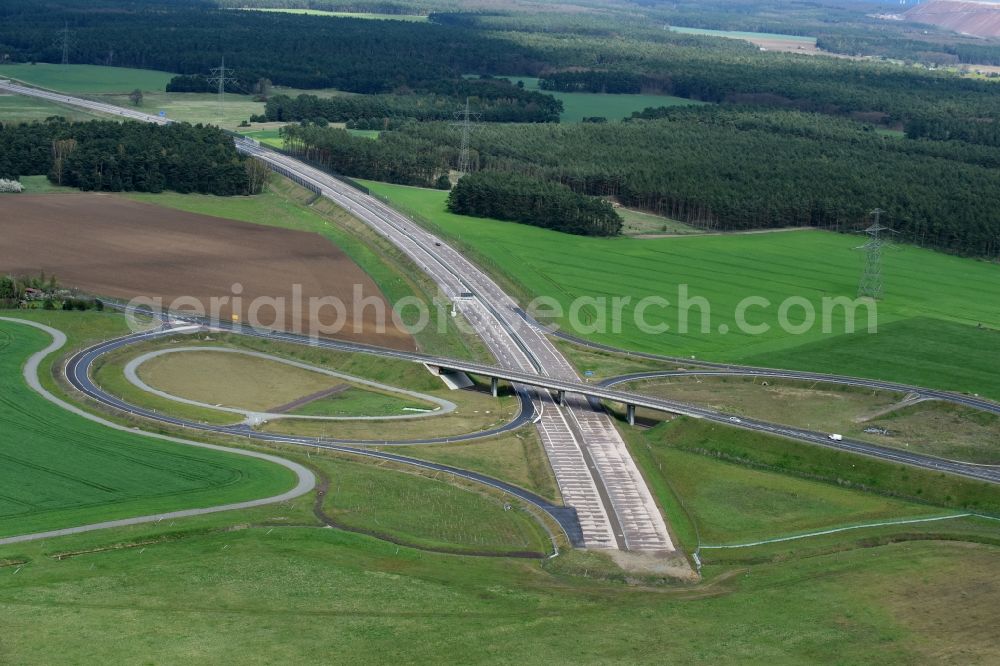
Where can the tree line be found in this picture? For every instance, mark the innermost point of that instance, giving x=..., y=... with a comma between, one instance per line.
x=494, y=100
x=719, y=168
x=189, y=37
x=115, y=156
x=507, y=196
x=395, y=158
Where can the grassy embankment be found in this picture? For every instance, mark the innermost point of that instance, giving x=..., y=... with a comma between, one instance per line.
x=721, y=485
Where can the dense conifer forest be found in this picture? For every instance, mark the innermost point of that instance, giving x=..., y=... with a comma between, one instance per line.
x=113, y=156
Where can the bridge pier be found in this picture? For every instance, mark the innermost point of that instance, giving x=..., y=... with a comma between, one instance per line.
x=562, y=398
x=630, y=414
x=494, y=386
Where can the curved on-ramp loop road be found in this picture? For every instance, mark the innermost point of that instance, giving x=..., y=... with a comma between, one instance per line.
x=306, y=479
x=78, y=374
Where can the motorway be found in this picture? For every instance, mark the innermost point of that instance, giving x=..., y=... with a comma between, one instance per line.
x=78, y=372
x=595, y=473
x=708, y=368
x=593, y=468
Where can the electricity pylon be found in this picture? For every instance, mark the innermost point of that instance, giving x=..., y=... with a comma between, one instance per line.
x=465, y=122
x=871, y=285
x=220, y=76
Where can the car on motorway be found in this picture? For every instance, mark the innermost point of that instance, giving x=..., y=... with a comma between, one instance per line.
x=835, y=437
x=735, y=420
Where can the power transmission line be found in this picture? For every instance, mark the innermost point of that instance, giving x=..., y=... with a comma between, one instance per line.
x=220, y=76
x=465, y=122
x=65, y=43
x=871, y=285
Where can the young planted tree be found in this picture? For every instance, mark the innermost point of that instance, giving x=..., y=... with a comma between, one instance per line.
x=257, y=175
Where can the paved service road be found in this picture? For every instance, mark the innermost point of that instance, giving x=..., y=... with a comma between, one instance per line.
x=306, y=479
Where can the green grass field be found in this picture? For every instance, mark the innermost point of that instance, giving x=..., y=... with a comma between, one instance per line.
x=831, y=466
x=271, y=137
x=86, y=78
x=517, y=458
x=935, y=428
x=357, y=401
x=927, y=323
x=638, y=223
x=579, y=105
x=60, y=470
x=732, y=503
x=267, y=593
x=20, y=109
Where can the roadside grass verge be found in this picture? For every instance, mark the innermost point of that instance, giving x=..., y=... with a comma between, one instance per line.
x=936, y=428
x=604, y=364
x=412, y=509
x=21, y=109
x=516, y=458
x=837, y=469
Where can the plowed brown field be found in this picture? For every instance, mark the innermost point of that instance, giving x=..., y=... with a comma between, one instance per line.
x=114, y=247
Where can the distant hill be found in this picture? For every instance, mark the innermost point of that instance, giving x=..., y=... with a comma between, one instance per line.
x=981, y=19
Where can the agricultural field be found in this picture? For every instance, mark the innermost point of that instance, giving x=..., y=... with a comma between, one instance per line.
x=580, y=105
x=935, y=325
x=18, y=109
x=74, y=472
x=86, y=79
x=765, y=40
x=884, y=418
x=152, y=251
x=418, y=18
x=285, y=205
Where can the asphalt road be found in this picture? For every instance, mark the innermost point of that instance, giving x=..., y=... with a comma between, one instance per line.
x=78, y=373
x=594, y=470
x=593, y=467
